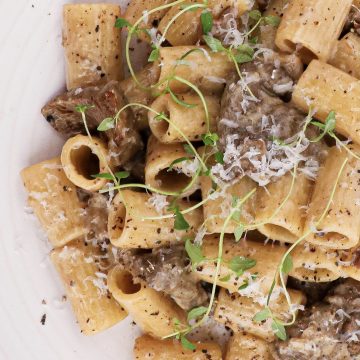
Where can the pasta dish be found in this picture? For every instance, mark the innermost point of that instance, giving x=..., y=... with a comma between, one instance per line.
x=212, y=181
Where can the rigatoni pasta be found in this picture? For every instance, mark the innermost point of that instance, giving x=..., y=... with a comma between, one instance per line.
x=149, y=348
x=55, y=202
x=152, y=311
x=86, y=24
x=311, y=28
x=85, y=284
x=339, y=228
x=324, y=88
x=129, y=228
x=191, y=121
x=163, y=173
x=82, y=158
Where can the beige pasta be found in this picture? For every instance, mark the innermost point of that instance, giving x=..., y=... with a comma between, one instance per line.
x=347, y=55
x=152, y=311
x=81, y=158
x=54, y=201
x=237, y=312
x=340, y=227
x=267, y=259
x=216, y=210
x=314, y=264
x=244, y=346
x=85, y=285
x=149, y=348
x=283, y=223
x=140, y=8
x=133, y=93
x=159, y=175
x=312, y=27
x=191, y=122
x=326, y=88
x=92, y=44
x=128, y=227
x=205, y=69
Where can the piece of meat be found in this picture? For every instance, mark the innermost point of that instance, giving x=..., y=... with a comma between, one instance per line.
x=123, y=141
x=252, y=126
x=328, y=330
x=353, y=21
x=166, y=269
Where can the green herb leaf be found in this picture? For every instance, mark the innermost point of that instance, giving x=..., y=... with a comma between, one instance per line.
x=154, y=55
x=262, y=315
x=210, y=139
x=196, y=312
x=279, y=330
x=189, y=150
x=176, y=161
x=272, y=20
x=255, y=15
x=194, y=252
x=206, y=21
x=180, y=102
x=186, y=344
x=214, y=44
x=239, y=232
x=244, y=285
x=103, y=176
x=330, y=122
x=219, y=157
x=287, y=264
x=236, y=215
x=225, y=278
x=83, y=108
x=234, y=201
x=254, y=40
x=120, y=23
x=180, y=223
x=122, y=175
x=244, y=53
x=239, y=264
x=106, y=124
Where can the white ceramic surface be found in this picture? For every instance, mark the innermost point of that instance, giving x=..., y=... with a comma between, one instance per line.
x=32, y=71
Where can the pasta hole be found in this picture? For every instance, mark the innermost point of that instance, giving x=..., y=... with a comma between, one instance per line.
x=172, y=180
x=117, y=221
x=332, y=236
x=86, y=163
x=125, y=283
x=160, y=127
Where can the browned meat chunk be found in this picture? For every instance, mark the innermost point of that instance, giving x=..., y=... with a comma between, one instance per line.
x=328, y=330
x=124, y=140
x=167, y=269
x=255, y=121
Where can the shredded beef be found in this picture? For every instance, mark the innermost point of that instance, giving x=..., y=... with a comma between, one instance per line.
x=166, y=269
x=124, y=140
x=253, y=124
x=328, y=330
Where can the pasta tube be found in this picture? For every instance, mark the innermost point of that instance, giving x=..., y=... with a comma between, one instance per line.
x=55, y=203
x=267, y=259
x=314, y=264
x=82, y=157
x=152, y=311
x=237, y=312
x=133, y=93
x=286, y=224
x=137, y=9
x=94, y=308
x=217, y=209
x=347, y=55
x=158, y=173
x=149, y=348
x=326, y=88
x=190, y=121
x=340, y=227
x=312, y=27
x=92, y=44
x=244, y=346
x=128, y=228
x=205, y=69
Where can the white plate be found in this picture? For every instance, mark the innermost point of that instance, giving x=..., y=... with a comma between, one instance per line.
x=32, y=71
